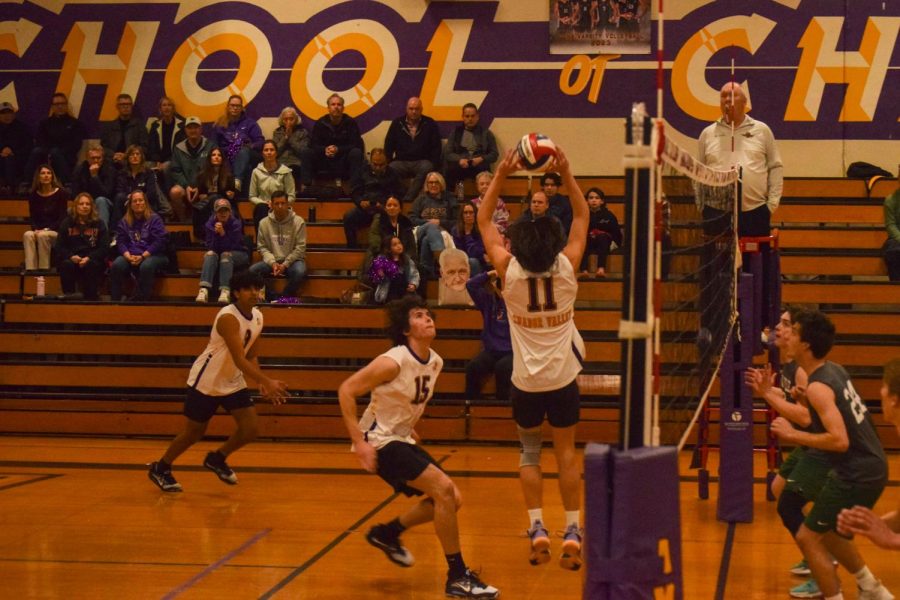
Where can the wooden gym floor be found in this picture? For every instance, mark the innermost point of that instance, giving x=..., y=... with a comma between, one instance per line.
x=80, y=519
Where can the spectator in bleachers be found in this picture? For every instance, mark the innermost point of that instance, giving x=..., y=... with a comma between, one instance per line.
x=141, y=245
x=81, y=246
x=496, y=354
x=336, y=146
x=269, y=177
x=558, y=204
x=291, y=139
x=15, y=147
x=57, y=141
x=413, y=146
x=603, y=232
x=471, y=148
x=467, y=238
x=376, y=183
x=225, y=251
x=240, y=138
x=433, y=213
x=892, y=244
x=393, y=272
x=165, y=131
x=126, y=130
x=388, y=223
x=188, y=158
x=46, y=210
x=97, y=176
x=137, y=176
x=281, y=242
x=500, y=217
x=214, y=181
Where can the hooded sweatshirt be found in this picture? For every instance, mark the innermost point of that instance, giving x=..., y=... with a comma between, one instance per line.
x=264, y=183
x=282, y=241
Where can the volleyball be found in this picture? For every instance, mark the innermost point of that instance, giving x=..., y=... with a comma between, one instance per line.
x=535, y=151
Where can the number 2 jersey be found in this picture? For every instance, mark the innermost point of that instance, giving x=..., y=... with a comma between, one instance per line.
x=547, y=349
x=397, y=405
x=864, y=461
x=214, y=372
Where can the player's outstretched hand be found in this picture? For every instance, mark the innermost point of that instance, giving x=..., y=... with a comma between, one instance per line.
x=509, y=164
x=861, y=520
x=274, y=390
x=367, y=456
x=760, y=380
x=782, y=428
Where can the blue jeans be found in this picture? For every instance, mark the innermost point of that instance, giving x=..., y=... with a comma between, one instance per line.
x=146, y=275
x=430, y=240
x=243, y=164
x=104, y=208
x=295, y=274
x=225, y=264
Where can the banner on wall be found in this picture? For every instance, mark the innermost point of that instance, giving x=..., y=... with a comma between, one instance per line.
x=818, y=73
x=599, y=26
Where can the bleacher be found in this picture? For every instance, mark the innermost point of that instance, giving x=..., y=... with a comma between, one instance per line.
x=119, y=369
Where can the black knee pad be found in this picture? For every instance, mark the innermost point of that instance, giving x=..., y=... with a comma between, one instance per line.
x=790, y=509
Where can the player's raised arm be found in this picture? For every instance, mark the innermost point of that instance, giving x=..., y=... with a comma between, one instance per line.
x=580, y=214
x=493, y=241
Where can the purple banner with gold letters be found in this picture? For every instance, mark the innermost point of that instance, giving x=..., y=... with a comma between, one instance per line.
x=814, y=71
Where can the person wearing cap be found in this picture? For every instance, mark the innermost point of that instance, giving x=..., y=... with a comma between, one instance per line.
x=15, y=146
x=58, y=140
x=188, y=157
x=225, y=251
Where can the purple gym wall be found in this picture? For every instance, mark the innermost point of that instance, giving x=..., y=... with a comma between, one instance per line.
x=825, y=78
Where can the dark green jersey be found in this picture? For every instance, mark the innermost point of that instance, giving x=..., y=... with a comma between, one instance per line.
x=789, y=380
x=864, y=461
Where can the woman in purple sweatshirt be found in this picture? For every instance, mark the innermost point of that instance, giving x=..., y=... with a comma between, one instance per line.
x=241, y=139
x=141, y=244
x=225, y=251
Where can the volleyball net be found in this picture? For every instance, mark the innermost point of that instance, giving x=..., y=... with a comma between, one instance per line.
x=679, y=302
x=697, y=302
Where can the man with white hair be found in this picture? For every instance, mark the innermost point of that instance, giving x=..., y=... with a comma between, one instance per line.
x=738, y=140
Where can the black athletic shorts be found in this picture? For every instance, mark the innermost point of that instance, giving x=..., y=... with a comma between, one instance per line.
x=200, y=407
x=561, y=406
x=399, y=462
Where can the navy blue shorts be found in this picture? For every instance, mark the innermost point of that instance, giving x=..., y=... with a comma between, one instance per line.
x=200, y=407
x=561, y=407
x=400, y=463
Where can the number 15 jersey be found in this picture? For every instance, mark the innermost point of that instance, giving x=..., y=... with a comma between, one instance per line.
x=547, y=349
x=397, y=405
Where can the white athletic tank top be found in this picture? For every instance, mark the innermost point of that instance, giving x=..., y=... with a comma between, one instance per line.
x=396, y=406
x=547, y=349
x=214, y=372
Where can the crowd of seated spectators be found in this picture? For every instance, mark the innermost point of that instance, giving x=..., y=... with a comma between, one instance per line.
x=179, y=174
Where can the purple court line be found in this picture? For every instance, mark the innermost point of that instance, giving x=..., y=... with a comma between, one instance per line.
x=196, y=578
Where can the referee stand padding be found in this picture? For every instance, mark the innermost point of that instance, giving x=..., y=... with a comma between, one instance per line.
x=632, y=523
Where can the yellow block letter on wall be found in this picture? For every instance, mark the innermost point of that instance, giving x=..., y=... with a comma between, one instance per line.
x=862, y=71
x=371, y=39
x=121, y=72
x=243, y=39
